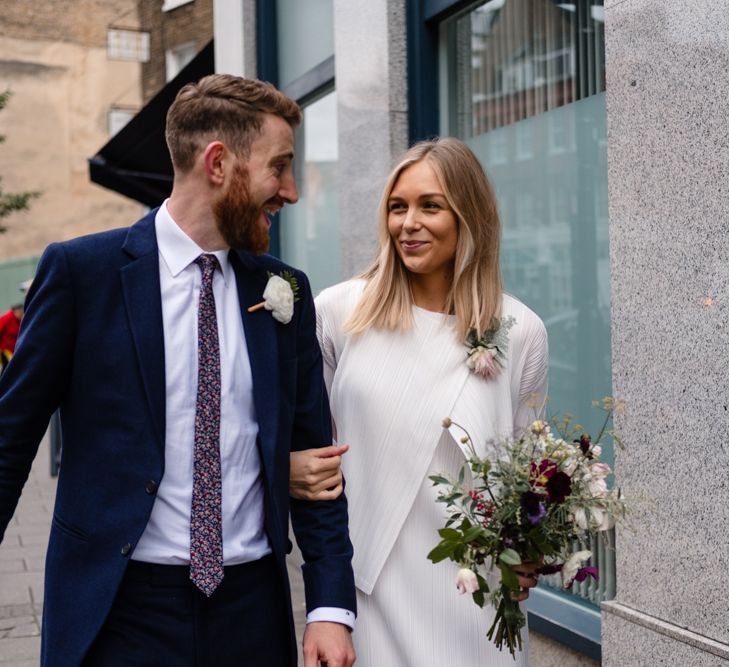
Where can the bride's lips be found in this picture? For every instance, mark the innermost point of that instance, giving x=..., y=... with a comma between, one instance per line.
x=412, y=246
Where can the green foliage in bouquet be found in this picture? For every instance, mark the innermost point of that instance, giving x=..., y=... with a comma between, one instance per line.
x=530, y=503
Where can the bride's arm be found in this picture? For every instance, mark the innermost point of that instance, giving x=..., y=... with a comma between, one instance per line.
x=532, y=397
x=533, y=380
x=315, y=474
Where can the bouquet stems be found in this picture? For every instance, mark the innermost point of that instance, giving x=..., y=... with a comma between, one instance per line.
x=508, y=623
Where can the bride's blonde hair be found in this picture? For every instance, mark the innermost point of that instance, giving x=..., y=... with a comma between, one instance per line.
x=475, y=294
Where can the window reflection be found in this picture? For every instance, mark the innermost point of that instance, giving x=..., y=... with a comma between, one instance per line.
x=309, y=230
x=524, y=82
x=515, y=59
x=305, y=36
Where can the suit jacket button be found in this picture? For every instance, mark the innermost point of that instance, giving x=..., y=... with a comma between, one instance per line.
x=150, y=487
x=126, y=549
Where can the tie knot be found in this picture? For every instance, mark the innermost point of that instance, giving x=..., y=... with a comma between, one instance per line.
x=207, y=263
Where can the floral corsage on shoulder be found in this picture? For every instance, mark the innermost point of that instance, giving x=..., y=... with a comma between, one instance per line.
x=281, y=293
x=487, y=355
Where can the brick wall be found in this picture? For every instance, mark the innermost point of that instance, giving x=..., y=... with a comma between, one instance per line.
x=82, y=22
x=191, y=22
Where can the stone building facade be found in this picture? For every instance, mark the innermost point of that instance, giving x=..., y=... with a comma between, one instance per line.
x=53, y=57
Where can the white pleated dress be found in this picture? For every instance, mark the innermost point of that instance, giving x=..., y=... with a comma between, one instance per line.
x=389, y=392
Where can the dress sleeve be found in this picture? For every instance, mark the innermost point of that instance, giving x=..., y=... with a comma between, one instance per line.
x=533, y=381
x=325, y=329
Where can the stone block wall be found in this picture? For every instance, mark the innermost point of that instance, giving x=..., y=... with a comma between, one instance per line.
x=667, y=168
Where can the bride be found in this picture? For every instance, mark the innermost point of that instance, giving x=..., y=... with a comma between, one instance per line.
x=394, y=348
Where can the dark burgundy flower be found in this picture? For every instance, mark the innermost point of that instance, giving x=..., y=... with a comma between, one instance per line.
x=533, y=506
x=534, y=519
x=583, y=573
x=550, y=569
x=585, y=444
x=559, y=486
x=543, y=471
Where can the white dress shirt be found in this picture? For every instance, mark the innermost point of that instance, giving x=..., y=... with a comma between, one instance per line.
x=166, y=538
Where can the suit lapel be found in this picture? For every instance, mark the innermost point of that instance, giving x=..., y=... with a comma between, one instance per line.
x=261, y=341
x=143, y=301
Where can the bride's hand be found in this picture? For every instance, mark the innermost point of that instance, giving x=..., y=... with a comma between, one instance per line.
x=316, y=473
x=527, y=575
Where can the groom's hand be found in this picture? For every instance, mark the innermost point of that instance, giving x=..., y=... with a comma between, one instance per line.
x=329, y=644
x=316, y=473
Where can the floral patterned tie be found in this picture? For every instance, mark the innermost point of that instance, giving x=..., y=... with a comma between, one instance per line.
x=206, y=524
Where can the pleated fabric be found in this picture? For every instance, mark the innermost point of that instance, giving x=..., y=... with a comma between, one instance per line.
x=389, y=392
x=415, y=617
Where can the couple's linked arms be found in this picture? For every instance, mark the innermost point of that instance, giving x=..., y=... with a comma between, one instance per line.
x=316, y=474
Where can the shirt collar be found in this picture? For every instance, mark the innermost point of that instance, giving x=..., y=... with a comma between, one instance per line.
x=178, y=250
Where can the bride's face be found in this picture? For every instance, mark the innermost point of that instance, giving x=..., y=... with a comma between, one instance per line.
x=421, y=223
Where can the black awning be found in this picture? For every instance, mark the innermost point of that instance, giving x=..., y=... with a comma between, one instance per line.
x=135, y=161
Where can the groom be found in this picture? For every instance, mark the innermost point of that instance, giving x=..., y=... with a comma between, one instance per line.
x=179, y=409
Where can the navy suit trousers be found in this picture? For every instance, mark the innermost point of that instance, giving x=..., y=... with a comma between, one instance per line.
x=160, y=618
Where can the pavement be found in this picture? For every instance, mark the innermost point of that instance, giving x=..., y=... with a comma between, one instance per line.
x=22, y=558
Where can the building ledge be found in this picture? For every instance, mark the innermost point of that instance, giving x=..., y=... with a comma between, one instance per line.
x=667, y=629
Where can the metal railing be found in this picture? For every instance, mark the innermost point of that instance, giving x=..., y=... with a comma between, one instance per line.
x=603, y=557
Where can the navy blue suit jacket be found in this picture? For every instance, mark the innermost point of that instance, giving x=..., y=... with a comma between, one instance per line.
x=92, y=343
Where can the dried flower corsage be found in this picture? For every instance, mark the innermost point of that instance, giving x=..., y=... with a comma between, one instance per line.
x=487, y=354
x=279, y=296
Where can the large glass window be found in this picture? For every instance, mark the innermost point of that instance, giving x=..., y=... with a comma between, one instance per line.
x=523, y=84
x=305, y=36
x=310, y=230
x=307, y=235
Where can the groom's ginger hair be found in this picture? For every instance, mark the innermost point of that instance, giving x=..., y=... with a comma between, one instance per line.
x=222, y=107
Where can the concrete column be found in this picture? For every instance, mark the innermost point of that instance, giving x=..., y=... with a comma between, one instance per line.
x=234, y=29
x=371, y=82
x=668, y=105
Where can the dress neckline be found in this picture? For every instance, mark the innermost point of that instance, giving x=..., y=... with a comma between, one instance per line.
x=432, y=314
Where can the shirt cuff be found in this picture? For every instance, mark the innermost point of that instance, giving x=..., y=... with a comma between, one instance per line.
x=331, y=615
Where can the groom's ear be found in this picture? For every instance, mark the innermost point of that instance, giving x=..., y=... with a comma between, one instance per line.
x=214, y=162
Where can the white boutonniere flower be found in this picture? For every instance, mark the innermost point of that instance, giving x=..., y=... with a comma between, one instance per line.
x=279, y=297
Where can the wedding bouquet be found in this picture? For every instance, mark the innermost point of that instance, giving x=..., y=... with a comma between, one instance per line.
x=532, y=502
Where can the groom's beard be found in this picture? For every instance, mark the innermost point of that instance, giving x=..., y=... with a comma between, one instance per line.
x=238, y=218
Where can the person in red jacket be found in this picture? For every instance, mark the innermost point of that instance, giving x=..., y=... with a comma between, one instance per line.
x=9, y=328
